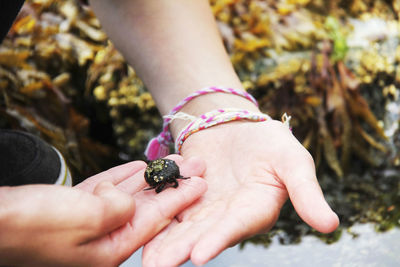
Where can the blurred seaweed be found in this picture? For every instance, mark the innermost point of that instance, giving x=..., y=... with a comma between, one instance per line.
x=332, y=65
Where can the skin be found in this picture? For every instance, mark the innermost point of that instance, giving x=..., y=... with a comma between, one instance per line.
x=252, y=168
x=99, y=222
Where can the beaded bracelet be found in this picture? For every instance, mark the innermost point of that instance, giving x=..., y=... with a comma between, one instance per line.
x=216, y=117
x=159, y=146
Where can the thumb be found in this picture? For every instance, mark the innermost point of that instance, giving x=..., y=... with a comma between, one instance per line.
x=117, y=207
x=306, y=194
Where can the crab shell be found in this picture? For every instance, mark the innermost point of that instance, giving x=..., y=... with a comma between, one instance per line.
x=161, y=171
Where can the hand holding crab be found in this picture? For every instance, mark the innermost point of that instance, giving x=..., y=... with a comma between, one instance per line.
x=252, y=168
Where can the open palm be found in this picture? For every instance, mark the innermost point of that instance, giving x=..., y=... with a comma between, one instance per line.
x=251, y=170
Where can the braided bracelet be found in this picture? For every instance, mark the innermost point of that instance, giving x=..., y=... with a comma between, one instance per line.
x=159, y=146
x=216, y=117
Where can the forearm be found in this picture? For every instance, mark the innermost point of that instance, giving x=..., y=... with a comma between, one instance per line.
x=5, y=212
x=176, y=49
x=9, y=215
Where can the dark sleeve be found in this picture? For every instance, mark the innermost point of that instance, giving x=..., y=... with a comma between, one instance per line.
x=8, y=12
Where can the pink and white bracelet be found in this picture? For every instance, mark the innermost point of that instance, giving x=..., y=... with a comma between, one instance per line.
x=216, y=117
x=159, y=146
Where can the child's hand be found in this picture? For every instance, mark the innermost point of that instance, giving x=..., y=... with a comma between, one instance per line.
x=251, y=170
x=100, y=222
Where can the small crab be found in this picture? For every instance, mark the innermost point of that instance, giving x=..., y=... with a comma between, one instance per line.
x=161, y=172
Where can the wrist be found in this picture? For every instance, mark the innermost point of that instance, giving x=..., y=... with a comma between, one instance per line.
x=217, y=105
x=209, y=102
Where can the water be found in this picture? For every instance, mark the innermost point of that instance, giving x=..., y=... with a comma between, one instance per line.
x=368, y=249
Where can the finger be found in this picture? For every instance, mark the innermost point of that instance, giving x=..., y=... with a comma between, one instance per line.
x=306, y=195
x=114, y=175
x=177, y=244
x=174, y=247
x=116, y=209
x=155, y=211
x=150, y=258
x=175, y=157
x=261, y=205
x=154, y=244
x=310, y=204
x=133, y=184
x=190, y=167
